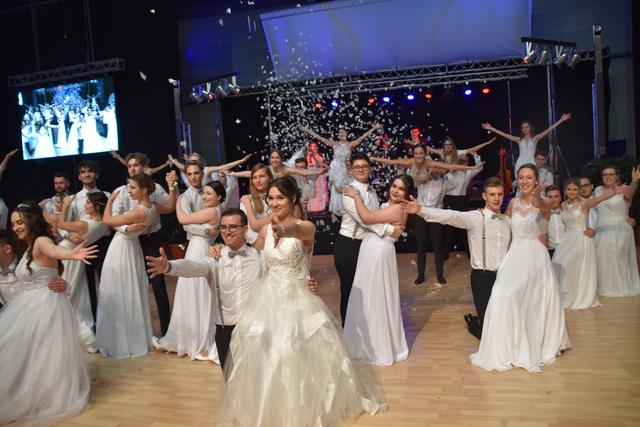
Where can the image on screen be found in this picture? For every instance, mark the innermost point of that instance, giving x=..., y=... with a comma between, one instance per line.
x=68, y=119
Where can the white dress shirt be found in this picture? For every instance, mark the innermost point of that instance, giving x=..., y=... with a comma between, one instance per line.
x=237, y=276
x=546, y=176
x=10, y=286
x=460, y=179
x=191, y=201
x=352, y=226
x=232, y=200
x=76, y=211
x=124, y=203
x=497, y=233
x=432, y=192
x=556, y=229
x=50, y=205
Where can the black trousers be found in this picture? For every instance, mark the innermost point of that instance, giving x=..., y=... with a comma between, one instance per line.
x=96, y=269
x=345, y=259
x=454, y=236
x=150, y=244
x=429, y=233
x=223, y=339
x=481, y=285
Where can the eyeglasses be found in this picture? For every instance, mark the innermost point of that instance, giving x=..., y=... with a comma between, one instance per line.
x=229, y=228
x=361, y=168
x=610, y=174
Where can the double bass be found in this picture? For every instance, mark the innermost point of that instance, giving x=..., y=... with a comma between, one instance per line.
x=505, y=173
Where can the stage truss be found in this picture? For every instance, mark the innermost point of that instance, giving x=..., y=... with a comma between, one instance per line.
x=67, y=73
x=436, y=75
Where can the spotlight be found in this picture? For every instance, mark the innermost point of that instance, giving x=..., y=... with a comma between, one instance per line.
x=561, y=58
x=334, y=103
x=371, y=100
x=485, y=90
x=318, y=105
x=386, y=99
x=530, y=57
x=428, y=95
x=544, y=57
x=196, y=94
x=467, y=92
x=410, y=97
x=573, y=61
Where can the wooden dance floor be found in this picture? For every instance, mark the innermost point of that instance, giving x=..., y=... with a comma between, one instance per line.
x=596, y=383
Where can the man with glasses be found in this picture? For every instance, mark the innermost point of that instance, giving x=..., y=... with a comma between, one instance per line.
x=586, y=192
x=352, y=229
x=231, y=276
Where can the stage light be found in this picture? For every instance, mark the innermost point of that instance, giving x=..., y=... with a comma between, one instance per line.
x=410, y=97
x=371, y=100
x=428, y=95
x=486, y=90
x=573, y=61
x=544, y=57
x=530, y=57
x=386, y=99
x=318, y=105
x=195, y=94
x=467, y=92
x=334, y=103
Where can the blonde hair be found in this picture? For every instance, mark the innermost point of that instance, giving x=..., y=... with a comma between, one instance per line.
x=454, y=153
x=256, y=196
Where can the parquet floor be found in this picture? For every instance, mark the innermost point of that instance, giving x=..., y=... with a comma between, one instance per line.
x=596, y=383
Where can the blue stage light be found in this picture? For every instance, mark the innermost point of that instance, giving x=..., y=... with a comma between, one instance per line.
x=410, y=97
x=334, y=103
x=467, y=92
x=386, y=99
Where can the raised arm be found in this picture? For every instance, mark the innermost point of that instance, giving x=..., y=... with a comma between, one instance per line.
x=153, y=171
x=48, y=248
x=457, y=219
x=303, y=172
x=481, y=146
x=538, y=201
x=5, y=160
x=169, y=205
x=450, y=166
x=390, y=215
x=210, y=169
x=298, y=229
x=79, y=227
x=606, y=195
x=631, y=188
x=353, y=144
x=241, y=174
x=175, y=162
x=326, y=141
x=396, y=162
x=131, y=217
x=118, y=157
x=547, y=131
x=490, y=128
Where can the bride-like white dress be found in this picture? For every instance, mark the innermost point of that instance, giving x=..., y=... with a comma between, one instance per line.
x=42, y=369
x=373, y=328
x=524, y=323
x=287, y=365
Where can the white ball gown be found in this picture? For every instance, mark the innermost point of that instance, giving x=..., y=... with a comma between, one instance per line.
x=124, y=320
x=44, y=378
x=527, y=152
x=338, y=176
x=616, y=248
x=75, y=276
x=287, y=364
x=192, y=327
x=373, y=328
x=524, y=323
x=575, y=261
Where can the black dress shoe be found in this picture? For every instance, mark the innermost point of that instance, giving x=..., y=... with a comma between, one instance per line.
x=442, y=280
x=419, y=280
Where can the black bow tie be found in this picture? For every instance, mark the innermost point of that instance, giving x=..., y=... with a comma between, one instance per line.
x=233, y=254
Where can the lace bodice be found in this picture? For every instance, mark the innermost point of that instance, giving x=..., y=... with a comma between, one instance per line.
x=419, y=175
x=341, y=152
x=615, y=209
x=338, y=166
x=573, y=217
x=527, y=150
x=525, y=221
x=289, y=260
x=38, y=278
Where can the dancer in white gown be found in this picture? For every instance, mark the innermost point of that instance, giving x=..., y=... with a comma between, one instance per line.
x=524, y=323
x=89, y=230
x=527, y=142
x=253, y=204
x=373, y=328
x=615, y=244
x=124, y=320
x=44, y=378
x=338, y=172
x=288, y=365
x=575, y=256
x=192, y=328
x=44, y=145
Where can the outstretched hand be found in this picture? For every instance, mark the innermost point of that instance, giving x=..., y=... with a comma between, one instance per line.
x=84, y=254
x=635, y=173
x=157, y=265
x=411, y=206
x=486, y=126
x=565, y=117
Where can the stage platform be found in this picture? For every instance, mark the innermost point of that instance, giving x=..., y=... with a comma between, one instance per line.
x=596, y=383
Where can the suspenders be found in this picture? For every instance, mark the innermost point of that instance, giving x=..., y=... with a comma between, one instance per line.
x=215, y=273
x=484, y=242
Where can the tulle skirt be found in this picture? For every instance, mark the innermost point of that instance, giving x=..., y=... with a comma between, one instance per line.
x=192, y=327
x=288, y=366
x=42, y=370
x=575, y=264
x=524, y=323
x=373, y=327
x=124, y=320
